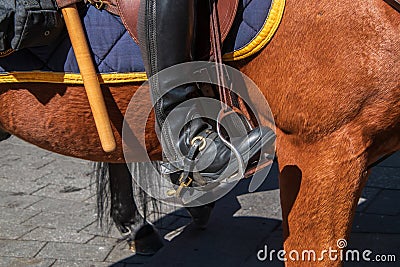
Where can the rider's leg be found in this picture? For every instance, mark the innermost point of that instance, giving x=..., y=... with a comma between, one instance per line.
x=165, y=31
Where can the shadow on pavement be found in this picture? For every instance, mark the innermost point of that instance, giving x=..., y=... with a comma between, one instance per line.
x=242, y=223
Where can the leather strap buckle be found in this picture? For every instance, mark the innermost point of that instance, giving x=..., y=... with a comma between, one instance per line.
x=183, y=182
x=200, y=139
x=99, y=4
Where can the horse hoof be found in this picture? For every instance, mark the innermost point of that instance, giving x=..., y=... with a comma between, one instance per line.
x=147, y=241
x=201, y=214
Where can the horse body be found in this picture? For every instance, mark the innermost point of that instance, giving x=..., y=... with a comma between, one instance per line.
x=334, y=67
x=331, y=77
x=333, y=85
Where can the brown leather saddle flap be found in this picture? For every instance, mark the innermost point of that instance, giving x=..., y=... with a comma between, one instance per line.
x=128, y=11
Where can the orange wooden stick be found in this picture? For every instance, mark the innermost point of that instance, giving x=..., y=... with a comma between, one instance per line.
x=89, y=76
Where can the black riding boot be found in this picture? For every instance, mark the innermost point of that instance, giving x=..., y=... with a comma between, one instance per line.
x=166, y=34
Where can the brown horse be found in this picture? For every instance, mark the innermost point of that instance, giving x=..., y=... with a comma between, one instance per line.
x=331, y=77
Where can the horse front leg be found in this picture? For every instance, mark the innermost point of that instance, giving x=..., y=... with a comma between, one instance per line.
x=141, y=236
x=320, y=186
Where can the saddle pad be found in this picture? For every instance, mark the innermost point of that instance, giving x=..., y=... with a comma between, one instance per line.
x=117, y=56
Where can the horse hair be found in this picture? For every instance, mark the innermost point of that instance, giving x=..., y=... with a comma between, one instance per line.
x=145, y=204
x=103, y=193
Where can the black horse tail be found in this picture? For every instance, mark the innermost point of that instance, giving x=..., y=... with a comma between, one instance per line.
x=103, y=192
x=147, y=209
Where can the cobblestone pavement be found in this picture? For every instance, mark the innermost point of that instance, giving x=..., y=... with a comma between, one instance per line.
x=48, y=218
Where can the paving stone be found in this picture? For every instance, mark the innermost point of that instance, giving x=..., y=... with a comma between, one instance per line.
x=387, y=178
x=95, y=229
x=226, y=241
x=64, y=192
x=7, y=145
x=16, y=186
x=386, y=203
x=57, y=235
x=43, y=166
x=25, y=159
x=272, y=243
x=17, y=200
x=16, y=248
x=372, y=223
x=181, y=212
x=378, y=244
x=74, y=252
x=101, y=240
x=69, y=173
x=63, y=206
x=21, y=173
x=22, y=159
x=164, y=209
x=122, y=254
x=172, y=222
x=367, y=197
x=63, y=263
x=16, y=215
x=370, y=264
x=76, y=221
x=240, y=225
x=26, y=262
x=392, y=161
x=13, y=140
x=158, y=217
x=119, y=252
x=91, y=200
x=11, y=230
x=260, y=204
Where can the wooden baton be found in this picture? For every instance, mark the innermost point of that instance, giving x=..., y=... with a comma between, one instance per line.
x=89, y=76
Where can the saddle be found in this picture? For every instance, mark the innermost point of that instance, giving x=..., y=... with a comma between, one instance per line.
x=128, y=11
x=222, y=14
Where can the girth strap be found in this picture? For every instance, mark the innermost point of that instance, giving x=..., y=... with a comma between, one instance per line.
x=394, y=3
x=231, y=102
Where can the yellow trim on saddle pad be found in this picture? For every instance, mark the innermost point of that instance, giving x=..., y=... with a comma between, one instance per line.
x=264, y=36
x=69, y=78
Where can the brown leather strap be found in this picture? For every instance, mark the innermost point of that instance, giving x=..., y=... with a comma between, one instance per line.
x=226, y=15
x=64, y=3
x=216, y=42
x=227, y=96
x=128, y=11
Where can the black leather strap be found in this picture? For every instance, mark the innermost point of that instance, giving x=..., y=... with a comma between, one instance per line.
x=394, y=3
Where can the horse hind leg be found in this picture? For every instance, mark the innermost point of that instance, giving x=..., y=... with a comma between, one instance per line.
x=201, y=214
x=320, y=186
x=141, y=236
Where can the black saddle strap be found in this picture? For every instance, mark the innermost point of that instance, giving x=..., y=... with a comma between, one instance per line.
x=394, y=3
